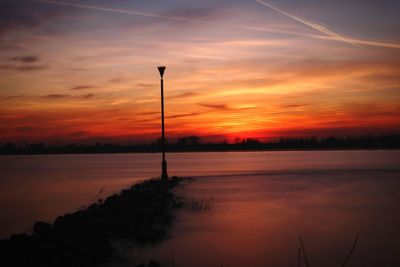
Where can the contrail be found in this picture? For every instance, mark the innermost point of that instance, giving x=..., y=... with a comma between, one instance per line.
x=234, y=26
x=129, y=12
x=360, y=42
x=316, y=26
x=152, y=15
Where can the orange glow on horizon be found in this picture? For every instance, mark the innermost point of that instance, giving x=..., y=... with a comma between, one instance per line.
x=220, y=83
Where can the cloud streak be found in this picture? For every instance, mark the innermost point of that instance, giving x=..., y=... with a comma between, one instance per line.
x=216, y=106
x=160, y=16
x=66, y=96
x=328, y=34
x=82, y=87
x=135, y=13
x=23, y=63
x=183, y=95
x=315, y=26
x=26, y=59
x=22, y=67
x=22, y=15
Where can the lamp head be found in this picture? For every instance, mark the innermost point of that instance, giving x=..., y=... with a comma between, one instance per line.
x=161, y=69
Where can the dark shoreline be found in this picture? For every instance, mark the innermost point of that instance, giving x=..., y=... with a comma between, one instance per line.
x=141, y=214
x=210, y=151
x=194, y=144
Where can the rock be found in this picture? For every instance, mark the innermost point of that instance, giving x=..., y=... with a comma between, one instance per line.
x=42, y=229
x=153, y=264
x=141, y=214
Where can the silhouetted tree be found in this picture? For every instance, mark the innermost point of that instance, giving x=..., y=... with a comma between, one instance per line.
x=193, y=143
x=188, y=141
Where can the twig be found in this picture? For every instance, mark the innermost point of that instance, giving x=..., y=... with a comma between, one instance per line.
x=97, y=195
x=299, y=258
x=304, y=252
x=351, y=251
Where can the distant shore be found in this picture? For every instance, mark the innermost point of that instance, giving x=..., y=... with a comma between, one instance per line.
x=194, y=144
x=204, y=151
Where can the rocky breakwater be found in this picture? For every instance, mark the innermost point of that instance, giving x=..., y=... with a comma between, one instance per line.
x=141, y=213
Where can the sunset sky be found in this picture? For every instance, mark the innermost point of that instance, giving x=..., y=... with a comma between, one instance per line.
x=86, y=70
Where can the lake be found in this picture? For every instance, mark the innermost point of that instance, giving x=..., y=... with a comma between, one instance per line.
x=261, y=203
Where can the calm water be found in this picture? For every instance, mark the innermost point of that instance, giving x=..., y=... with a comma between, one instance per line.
x=262, y=202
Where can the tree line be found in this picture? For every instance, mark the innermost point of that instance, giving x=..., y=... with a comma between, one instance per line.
x=194, y=143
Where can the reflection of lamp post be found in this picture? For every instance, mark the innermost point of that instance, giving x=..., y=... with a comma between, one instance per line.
x=164, y=174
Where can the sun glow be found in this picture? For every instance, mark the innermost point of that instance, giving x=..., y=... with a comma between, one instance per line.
x=99, y=80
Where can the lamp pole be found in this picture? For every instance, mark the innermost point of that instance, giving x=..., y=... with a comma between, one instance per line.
x=164, y=174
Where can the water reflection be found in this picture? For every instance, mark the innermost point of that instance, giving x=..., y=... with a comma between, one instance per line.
x=258, y=217
x=256, y=221
x=263, y=202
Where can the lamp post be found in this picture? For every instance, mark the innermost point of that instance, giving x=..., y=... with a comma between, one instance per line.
x=164, y=174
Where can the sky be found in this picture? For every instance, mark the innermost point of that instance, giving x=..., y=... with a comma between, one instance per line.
x=86, y=70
